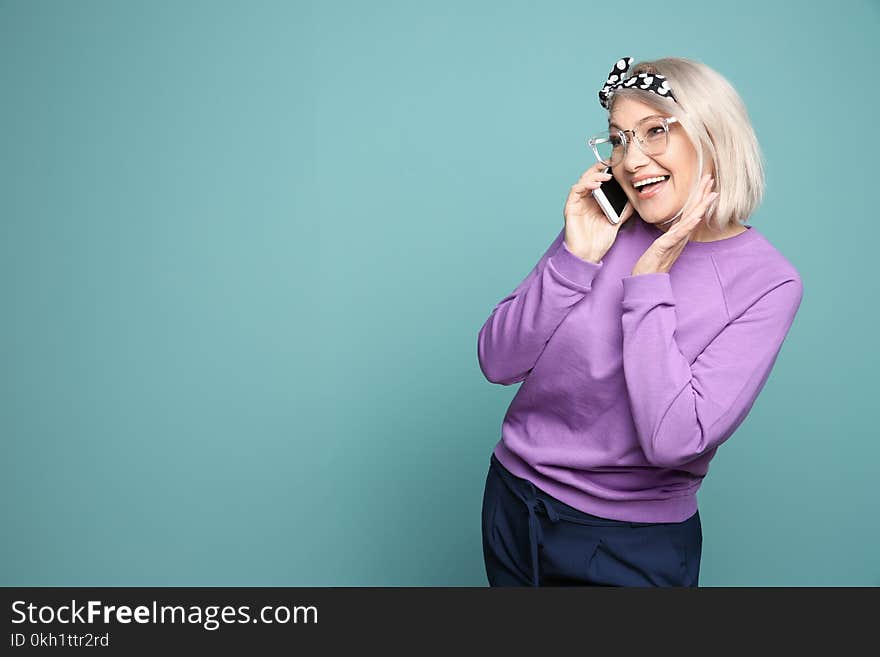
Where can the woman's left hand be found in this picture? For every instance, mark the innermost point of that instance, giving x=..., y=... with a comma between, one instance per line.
x=663, y=253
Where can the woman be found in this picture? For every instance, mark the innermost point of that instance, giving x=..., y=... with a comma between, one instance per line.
x=641, y=346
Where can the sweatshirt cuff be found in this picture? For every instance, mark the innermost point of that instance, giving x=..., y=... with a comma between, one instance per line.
x=573, y=269
x=653, y=289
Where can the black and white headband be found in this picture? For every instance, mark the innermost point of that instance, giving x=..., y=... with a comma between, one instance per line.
x=653, y=82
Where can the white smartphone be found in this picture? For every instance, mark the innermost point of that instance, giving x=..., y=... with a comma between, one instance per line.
x=611, y=198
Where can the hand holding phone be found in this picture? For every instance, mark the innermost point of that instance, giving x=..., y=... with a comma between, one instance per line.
x=611, y=198
x=590, y=228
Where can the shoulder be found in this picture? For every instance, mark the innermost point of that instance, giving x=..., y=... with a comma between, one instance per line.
x=755, y=270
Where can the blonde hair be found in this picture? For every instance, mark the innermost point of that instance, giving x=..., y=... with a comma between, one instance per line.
x=717, y=123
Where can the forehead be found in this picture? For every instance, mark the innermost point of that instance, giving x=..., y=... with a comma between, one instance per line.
x=627, y=112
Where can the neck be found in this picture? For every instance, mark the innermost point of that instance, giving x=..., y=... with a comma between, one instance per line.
x=704, y=233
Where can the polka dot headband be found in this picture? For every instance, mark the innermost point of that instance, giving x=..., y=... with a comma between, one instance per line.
x=653, y=82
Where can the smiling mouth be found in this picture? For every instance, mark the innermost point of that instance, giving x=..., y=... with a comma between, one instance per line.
x=650, y=189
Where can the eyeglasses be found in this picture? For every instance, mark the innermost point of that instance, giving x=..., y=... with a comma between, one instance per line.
x=651, y=134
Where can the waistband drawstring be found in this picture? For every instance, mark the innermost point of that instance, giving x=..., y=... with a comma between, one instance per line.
x=536, y=536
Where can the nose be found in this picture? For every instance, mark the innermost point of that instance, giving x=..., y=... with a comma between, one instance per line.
x=634, y=157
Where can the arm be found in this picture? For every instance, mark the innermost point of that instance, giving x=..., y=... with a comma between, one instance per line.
x=519, y=327
x=683, y=410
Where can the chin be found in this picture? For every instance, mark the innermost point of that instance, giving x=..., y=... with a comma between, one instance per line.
x=655, y=217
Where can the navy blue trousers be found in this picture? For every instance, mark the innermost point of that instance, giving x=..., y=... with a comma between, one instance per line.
x=533, y=539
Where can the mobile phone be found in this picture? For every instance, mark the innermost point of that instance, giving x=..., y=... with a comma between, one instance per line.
x=611, y=198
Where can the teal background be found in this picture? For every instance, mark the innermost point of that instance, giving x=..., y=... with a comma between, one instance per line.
x=248, y=246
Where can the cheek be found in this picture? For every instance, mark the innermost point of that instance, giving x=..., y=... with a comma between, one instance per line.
x=682, y=174
x=681, y=159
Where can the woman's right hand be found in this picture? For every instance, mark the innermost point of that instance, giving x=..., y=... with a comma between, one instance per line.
x=588, y=232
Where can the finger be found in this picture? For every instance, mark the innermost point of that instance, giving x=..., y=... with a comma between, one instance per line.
x=704, y=187
x=590, y=179
x=706, y=197
x=704, y=203
x=705, y=181
x=592, y=173
x=589, y=182
x=699, y=211
x=599, y=167
x=688, y=223
x=585, y=187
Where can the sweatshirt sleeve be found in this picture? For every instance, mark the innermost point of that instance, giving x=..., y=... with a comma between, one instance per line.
x=521, y=324
x=683, y=410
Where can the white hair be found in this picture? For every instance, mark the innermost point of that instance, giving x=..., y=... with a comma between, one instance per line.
x=717, y=123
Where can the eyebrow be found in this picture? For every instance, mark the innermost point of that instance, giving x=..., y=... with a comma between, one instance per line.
x=614, y=125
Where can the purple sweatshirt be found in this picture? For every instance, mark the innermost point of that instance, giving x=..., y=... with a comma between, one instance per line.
x=630, y=383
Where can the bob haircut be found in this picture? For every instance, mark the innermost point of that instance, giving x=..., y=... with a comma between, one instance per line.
x=716, y=121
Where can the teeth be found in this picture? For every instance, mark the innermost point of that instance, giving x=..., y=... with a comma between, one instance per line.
x=642, y=183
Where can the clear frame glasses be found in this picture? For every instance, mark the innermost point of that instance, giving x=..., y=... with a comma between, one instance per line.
x=651, y=135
